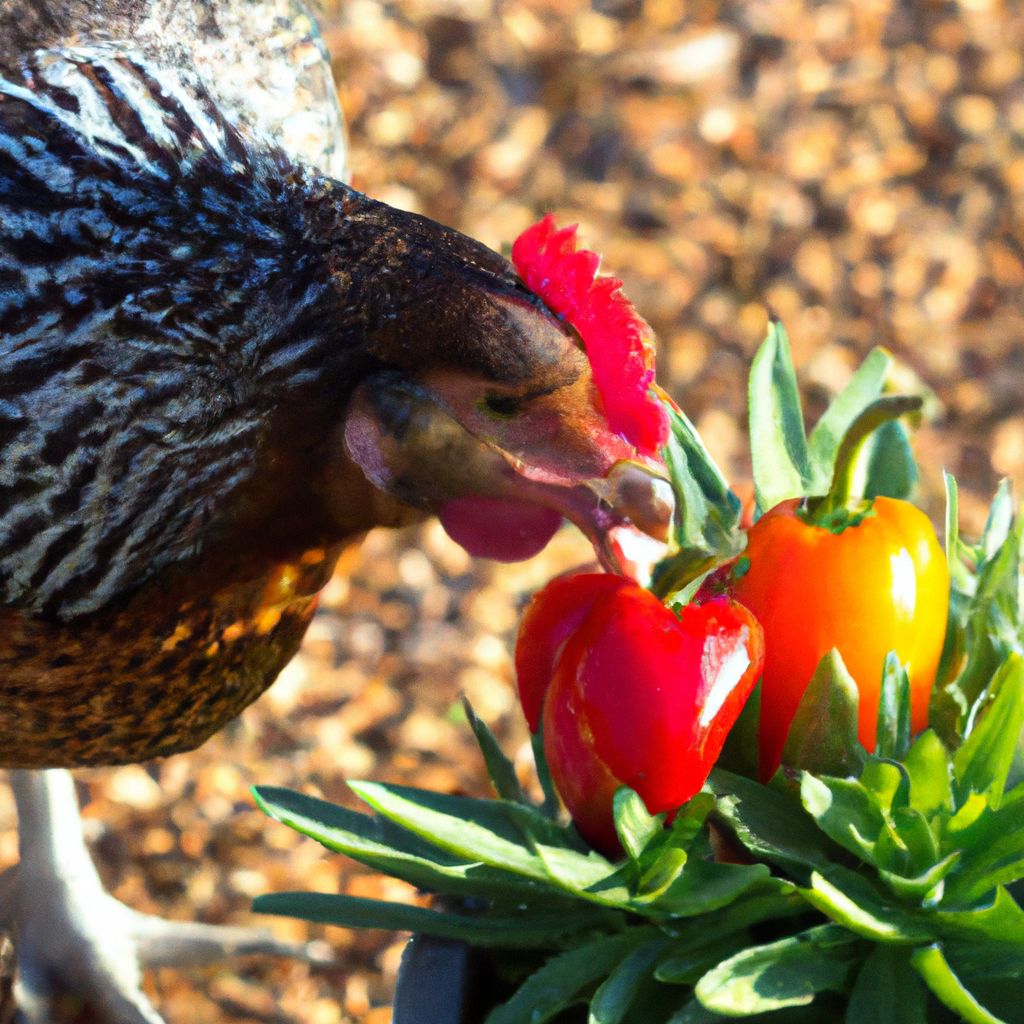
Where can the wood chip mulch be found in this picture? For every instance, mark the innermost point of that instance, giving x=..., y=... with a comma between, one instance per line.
x=856, y=167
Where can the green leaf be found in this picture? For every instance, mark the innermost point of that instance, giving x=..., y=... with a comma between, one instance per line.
x=568, y=978
x=908, y=847
x=850, y=900
x=990, y=845
x=789, y=972
x=893, y=733
x=925, y=888
x=500, y=769
x=987, y=942
x=614, y=998
x=740, y=752
x=952, y=521
x=930, y=963
x=707, y=886
x=707, y=512
x=667, y=852
x=588, y=876
x=779, y=453
x=867, y=384
x=770, y=824
x=887, y=991
x=887, y=781
x=634, y=825
x=890, y=467
x=686, y=962
x=662, y=872
x=694, y=1013
x=931, y=772
x=824, y=1010
x=551, y=805
x=698, y=949
x=379, y=844
x=846, y=812
x=490, y=831
x=992, y=621
x=823, y=734
x=983, y=763
x=527, y=929
x=999, y=523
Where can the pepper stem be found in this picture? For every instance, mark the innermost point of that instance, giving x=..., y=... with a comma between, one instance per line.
x=841, y=490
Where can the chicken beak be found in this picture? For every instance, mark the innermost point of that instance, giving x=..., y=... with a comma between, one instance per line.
x=626, y=515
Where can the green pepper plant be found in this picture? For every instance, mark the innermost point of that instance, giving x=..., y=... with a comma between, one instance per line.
x=842, y=842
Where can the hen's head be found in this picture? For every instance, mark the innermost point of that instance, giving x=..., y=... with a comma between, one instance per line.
x=503, y=400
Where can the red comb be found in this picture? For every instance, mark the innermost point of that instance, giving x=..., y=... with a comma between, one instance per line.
x=617, y=340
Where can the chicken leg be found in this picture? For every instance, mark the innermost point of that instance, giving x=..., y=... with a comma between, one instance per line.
x=78, y=948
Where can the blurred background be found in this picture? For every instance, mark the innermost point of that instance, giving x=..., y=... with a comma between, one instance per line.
x=856, y=167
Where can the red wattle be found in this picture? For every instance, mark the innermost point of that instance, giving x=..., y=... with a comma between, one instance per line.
x=503, y=529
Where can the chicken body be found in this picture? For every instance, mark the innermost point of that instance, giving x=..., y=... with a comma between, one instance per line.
x=217, y=365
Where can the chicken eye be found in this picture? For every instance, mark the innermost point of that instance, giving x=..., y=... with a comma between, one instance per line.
x=501, y=406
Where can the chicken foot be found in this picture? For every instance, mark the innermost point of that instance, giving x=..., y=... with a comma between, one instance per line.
x=77, y=946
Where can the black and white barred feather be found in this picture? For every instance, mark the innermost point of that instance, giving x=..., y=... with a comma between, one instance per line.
x=159, y=294
x=188, y=298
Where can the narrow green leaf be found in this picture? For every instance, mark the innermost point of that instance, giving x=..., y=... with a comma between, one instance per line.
x=704, y=947
x=983, y=763
x=893, y=733
x=575, y=869
x=568, y=978
x=588, y=876
x=551, y=805
x=635, y=827
x=707, y=512
x=701, y=468
x=615, y=996
x=825, y=1010
x=740, y=752
x=887, y=991
x=926, y=888
x=992, y=624
x=781, y=461
x=526, y=930
x=930, y=963
x=999, y=522
x=707, y=886
x=500, y=769
x=931, y=772
x=887, y=781
x=686, y=962
x=770, y=824
x=693, y=1013
x=867, y=384
x=987, y=942
x=823, y=735
x=390, y=849
x=846, y=812
x=962, y=578
x=990, y=845
x=851, y=901
x=890, y=468
x=483, y=830
x=664, y=871
x=789, y=972
x=917, y=837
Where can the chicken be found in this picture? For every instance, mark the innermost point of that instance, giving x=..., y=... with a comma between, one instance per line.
x=220, y=364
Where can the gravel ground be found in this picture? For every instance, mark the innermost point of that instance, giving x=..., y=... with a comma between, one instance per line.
x=856, y=167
